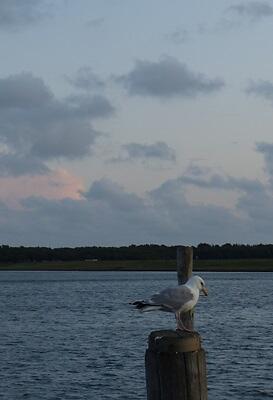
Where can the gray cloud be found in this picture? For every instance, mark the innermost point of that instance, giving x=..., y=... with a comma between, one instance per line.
x=262, y=89
x=86, y=79
x=237, y=16
x=23, y=91
x=70, y=138
x=252, y=9
x=258, y=208
x=217, y=181
x=96, y=106
x=36, y=127
x=109, y=215
x=178, y=36
x=113, y=195
x=138, y=151
x=16, y=165
x=19, y=13
x=167, y=78
x=267, y=150
x=222, y=26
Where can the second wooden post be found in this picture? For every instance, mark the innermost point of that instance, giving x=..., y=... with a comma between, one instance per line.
x=184, y=265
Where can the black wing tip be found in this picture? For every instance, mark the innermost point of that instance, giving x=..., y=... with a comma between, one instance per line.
x=139, y=304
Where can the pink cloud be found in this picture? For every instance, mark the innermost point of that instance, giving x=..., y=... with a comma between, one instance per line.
x=58, y=184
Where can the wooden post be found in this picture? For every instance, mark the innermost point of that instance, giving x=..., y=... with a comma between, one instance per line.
x=175, y=367
x=184, y=261
x=184, y=257
x=175, y=362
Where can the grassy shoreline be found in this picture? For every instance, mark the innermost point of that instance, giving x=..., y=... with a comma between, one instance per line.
x=240, y=265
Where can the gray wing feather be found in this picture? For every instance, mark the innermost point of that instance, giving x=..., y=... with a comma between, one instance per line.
x=173, y=298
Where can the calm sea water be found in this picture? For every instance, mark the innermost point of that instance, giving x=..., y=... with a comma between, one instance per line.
x=72, y=335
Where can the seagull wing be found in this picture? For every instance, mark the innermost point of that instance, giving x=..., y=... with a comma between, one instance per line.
x=173, y=298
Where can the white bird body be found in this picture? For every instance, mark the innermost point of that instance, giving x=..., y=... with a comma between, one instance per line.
x=178, y=300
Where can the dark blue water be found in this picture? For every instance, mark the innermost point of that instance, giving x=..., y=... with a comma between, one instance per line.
x=72, y=335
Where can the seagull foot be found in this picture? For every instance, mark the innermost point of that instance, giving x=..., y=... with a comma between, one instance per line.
x=180, y=331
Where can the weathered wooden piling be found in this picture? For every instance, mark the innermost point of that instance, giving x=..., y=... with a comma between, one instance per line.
x=175, y=367
x=175, y=362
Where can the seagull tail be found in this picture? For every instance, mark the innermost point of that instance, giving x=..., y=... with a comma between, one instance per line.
x=143, y=306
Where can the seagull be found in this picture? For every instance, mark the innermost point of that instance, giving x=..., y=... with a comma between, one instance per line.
x=177, y=300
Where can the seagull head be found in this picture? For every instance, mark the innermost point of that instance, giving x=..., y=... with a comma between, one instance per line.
x=197, y=282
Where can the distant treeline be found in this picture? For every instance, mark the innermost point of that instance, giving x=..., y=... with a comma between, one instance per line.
x=203, y=251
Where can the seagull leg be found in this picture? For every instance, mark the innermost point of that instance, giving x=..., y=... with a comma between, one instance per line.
x=179, y=324
x=177, y=321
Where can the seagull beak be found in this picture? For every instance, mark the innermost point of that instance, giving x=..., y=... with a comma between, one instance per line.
x=205, y=290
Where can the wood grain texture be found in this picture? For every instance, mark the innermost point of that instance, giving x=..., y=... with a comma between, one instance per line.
x=184, y=260
x=175, y=367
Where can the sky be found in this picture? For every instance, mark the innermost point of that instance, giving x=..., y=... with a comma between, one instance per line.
x=129, y=122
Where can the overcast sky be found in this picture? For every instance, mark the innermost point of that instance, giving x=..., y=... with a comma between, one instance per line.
x=125, y=121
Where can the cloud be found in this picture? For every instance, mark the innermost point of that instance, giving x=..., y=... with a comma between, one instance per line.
x=222, y=26
x=217, y=181
x=78, y=222
x=23, y=91
x=261, y=88
x=95, y=106
x=113, y=195
x=17, y=164
x=36, y=127
x=236, y=16
x=107, y=214
x=267, y=150
x=86, y=79
x=137, y=151
x=178, y=36
x=254, y=10
x=17, y=13
x=167, y=78
x=56, y=184
x=259, y=210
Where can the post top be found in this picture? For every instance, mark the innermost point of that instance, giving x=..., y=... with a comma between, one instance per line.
x=174, y=342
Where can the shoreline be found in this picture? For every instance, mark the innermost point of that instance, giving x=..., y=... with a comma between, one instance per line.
x=239, y=265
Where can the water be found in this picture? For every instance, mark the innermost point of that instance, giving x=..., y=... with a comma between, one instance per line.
x=72, y=335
